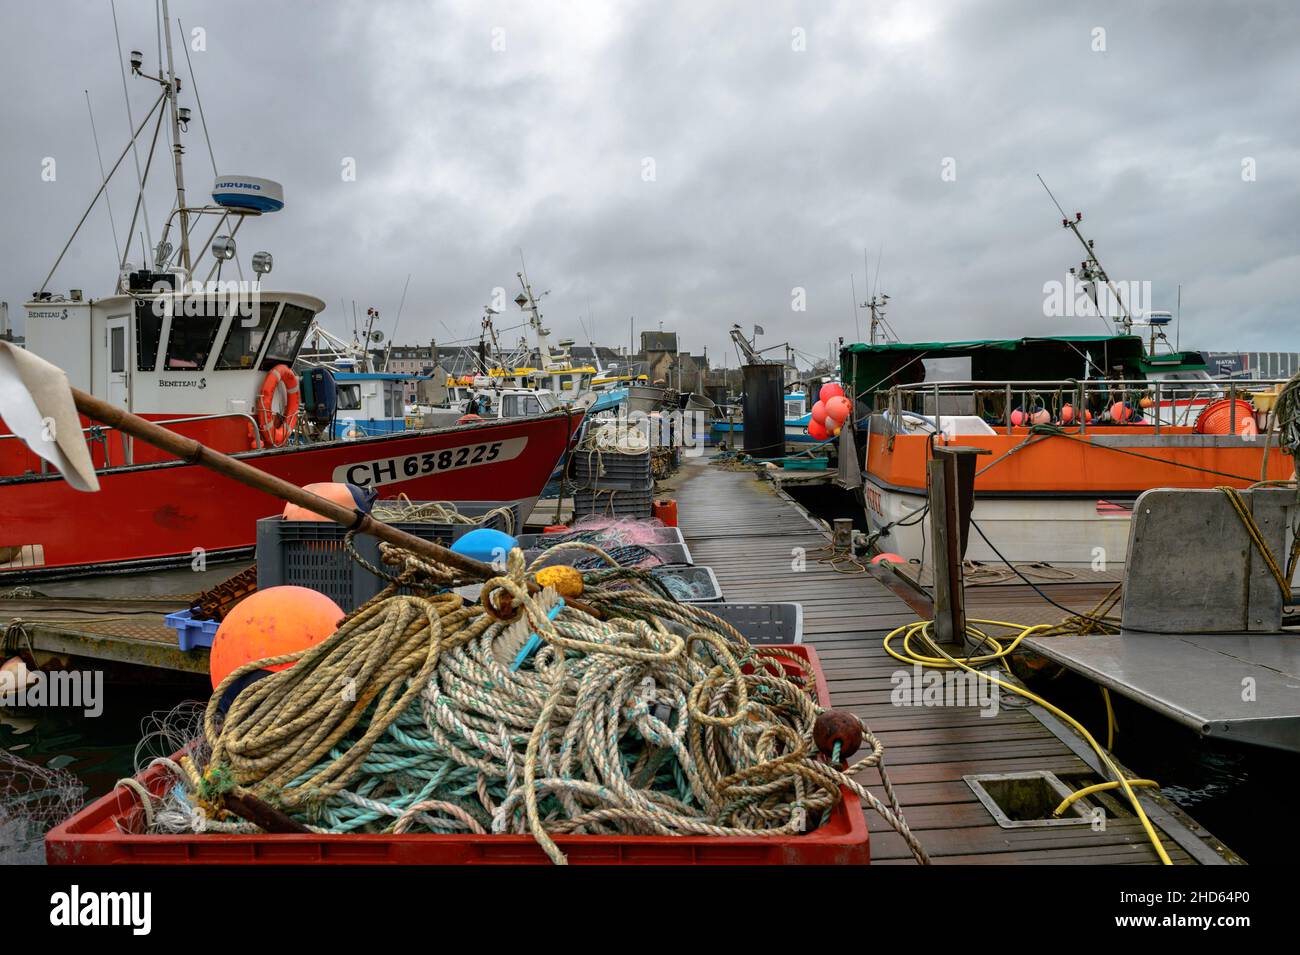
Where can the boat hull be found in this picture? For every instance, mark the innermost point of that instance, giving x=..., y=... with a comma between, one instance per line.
x=1057, y=499
x=184, y=511
x=1066, y=532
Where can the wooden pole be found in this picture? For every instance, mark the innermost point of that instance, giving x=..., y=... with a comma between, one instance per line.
x=951, y=478
x=189, y=450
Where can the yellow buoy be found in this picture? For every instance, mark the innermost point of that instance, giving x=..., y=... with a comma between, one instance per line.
x=567, y=581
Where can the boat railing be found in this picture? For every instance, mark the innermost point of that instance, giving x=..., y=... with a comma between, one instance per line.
x=1164, y=398
x=99, y=434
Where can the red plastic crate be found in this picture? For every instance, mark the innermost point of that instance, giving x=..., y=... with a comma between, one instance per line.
x=106, y=832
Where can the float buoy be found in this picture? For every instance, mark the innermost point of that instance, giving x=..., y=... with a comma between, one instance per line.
x=567, y=581
x=891, y=558
x=486, y=544
x=346, y=495
x=270, y=623
x=832, y=389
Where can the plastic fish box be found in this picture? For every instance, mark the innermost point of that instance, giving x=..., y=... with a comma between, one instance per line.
x=659, y=535
x=702, y=580
x=191, y=633
x=668, y=554
x=763, y=623
x=109, y=831
x=311, y=553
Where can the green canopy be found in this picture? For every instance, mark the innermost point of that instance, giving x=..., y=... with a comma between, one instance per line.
x=872, y=368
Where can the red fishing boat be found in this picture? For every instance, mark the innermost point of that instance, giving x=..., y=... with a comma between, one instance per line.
x=213, y=360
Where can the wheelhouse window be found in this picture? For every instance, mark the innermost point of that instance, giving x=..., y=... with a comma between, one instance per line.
x=191, y=341
x=244, y=340
x=289, y=332
x=148, y=332
x=349, y=397
x=519, y=406
x=117, y=350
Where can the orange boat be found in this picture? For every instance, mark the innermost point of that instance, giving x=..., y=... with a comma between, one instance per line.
x=1067, y=456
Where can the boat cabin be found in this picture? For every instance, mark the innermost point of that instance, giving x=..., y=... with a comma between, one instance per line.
x=194, y=360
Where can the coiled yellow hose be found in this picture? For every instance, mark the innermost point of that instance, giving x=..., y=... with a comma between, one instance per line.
x=938, y=658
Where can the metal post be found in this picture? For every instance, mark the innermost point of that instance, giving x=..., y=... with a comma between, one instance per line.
x=1232, y=409
x=951, y=483
x=1157, y=406
x=842, y=534
x=1007, y=408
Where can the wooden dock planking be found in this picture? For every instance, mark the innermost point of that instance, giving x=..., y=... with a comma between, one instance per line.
x=750, y=534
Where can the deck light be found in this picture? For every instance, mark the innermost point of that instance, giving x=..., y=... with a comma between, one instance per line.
x=262, y=262
x=223, y=247
x=137, y=61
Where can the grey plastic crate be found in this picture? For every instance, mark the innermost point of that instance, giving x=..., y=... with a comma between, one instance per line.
x=614, y=502
x=311, y=553
x=590, y=469
x=762, y=623
x=701, y=579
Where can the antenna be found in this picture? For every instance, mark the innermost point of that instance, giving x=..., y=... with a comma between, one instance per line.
x=203, y=119
x=397, y=321
x=130, y=124
x=103, y=178
x=853, y=287
x=1091, y=269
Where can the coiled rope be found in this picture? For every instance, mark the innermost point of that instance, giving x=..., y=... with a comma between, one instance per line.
x=416, y=716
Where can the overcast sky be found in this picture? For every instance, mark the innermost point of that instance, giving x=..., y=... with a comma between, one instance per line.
x=694, y=163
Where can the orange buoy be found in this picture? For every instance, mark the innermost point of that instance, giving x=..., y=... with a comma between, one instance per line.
x=1120, y=412
x=335, y=491
x=891, y=558
x=1217, y=418
x=468, y=419
x=1067, y=413
x=839, y=409
x=270, y=623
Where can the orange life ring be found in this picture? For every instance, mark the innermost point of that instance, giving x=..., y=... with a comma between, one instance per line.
x=276, y=427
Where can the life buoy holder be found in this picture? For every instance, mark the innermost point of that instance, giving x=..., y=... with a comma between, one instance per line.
x=277, y=426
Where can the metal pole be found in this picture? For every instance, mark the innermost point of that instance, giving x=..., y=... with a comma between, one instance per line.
x=1157, y=406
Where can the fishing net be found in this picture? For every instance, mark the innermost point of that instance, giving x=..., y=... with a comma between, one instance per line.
x=526, y=713
x=33, y=800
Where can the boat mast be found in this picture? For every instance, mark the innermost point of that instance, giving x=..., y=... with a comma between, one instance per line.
x=526, y=301
x=173, y=88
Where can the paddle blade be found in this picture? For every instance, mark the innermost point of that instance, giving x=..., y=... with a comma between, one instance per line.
x=36, y=404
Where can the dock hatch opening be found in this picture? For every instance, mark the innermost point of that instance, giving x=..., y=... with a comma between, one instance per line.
x=1026, y=800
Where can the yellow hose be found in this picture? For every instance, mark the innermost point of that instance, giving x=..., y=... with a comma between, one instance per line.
x=921, y=629
x=1074, y=797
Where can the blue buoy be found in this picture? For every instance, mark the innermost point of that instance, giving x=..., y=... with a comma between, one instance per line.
x=486, y=544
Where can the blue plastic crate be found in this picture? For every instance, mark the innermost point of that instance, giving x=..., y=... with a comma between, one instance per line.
x=191, y=633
